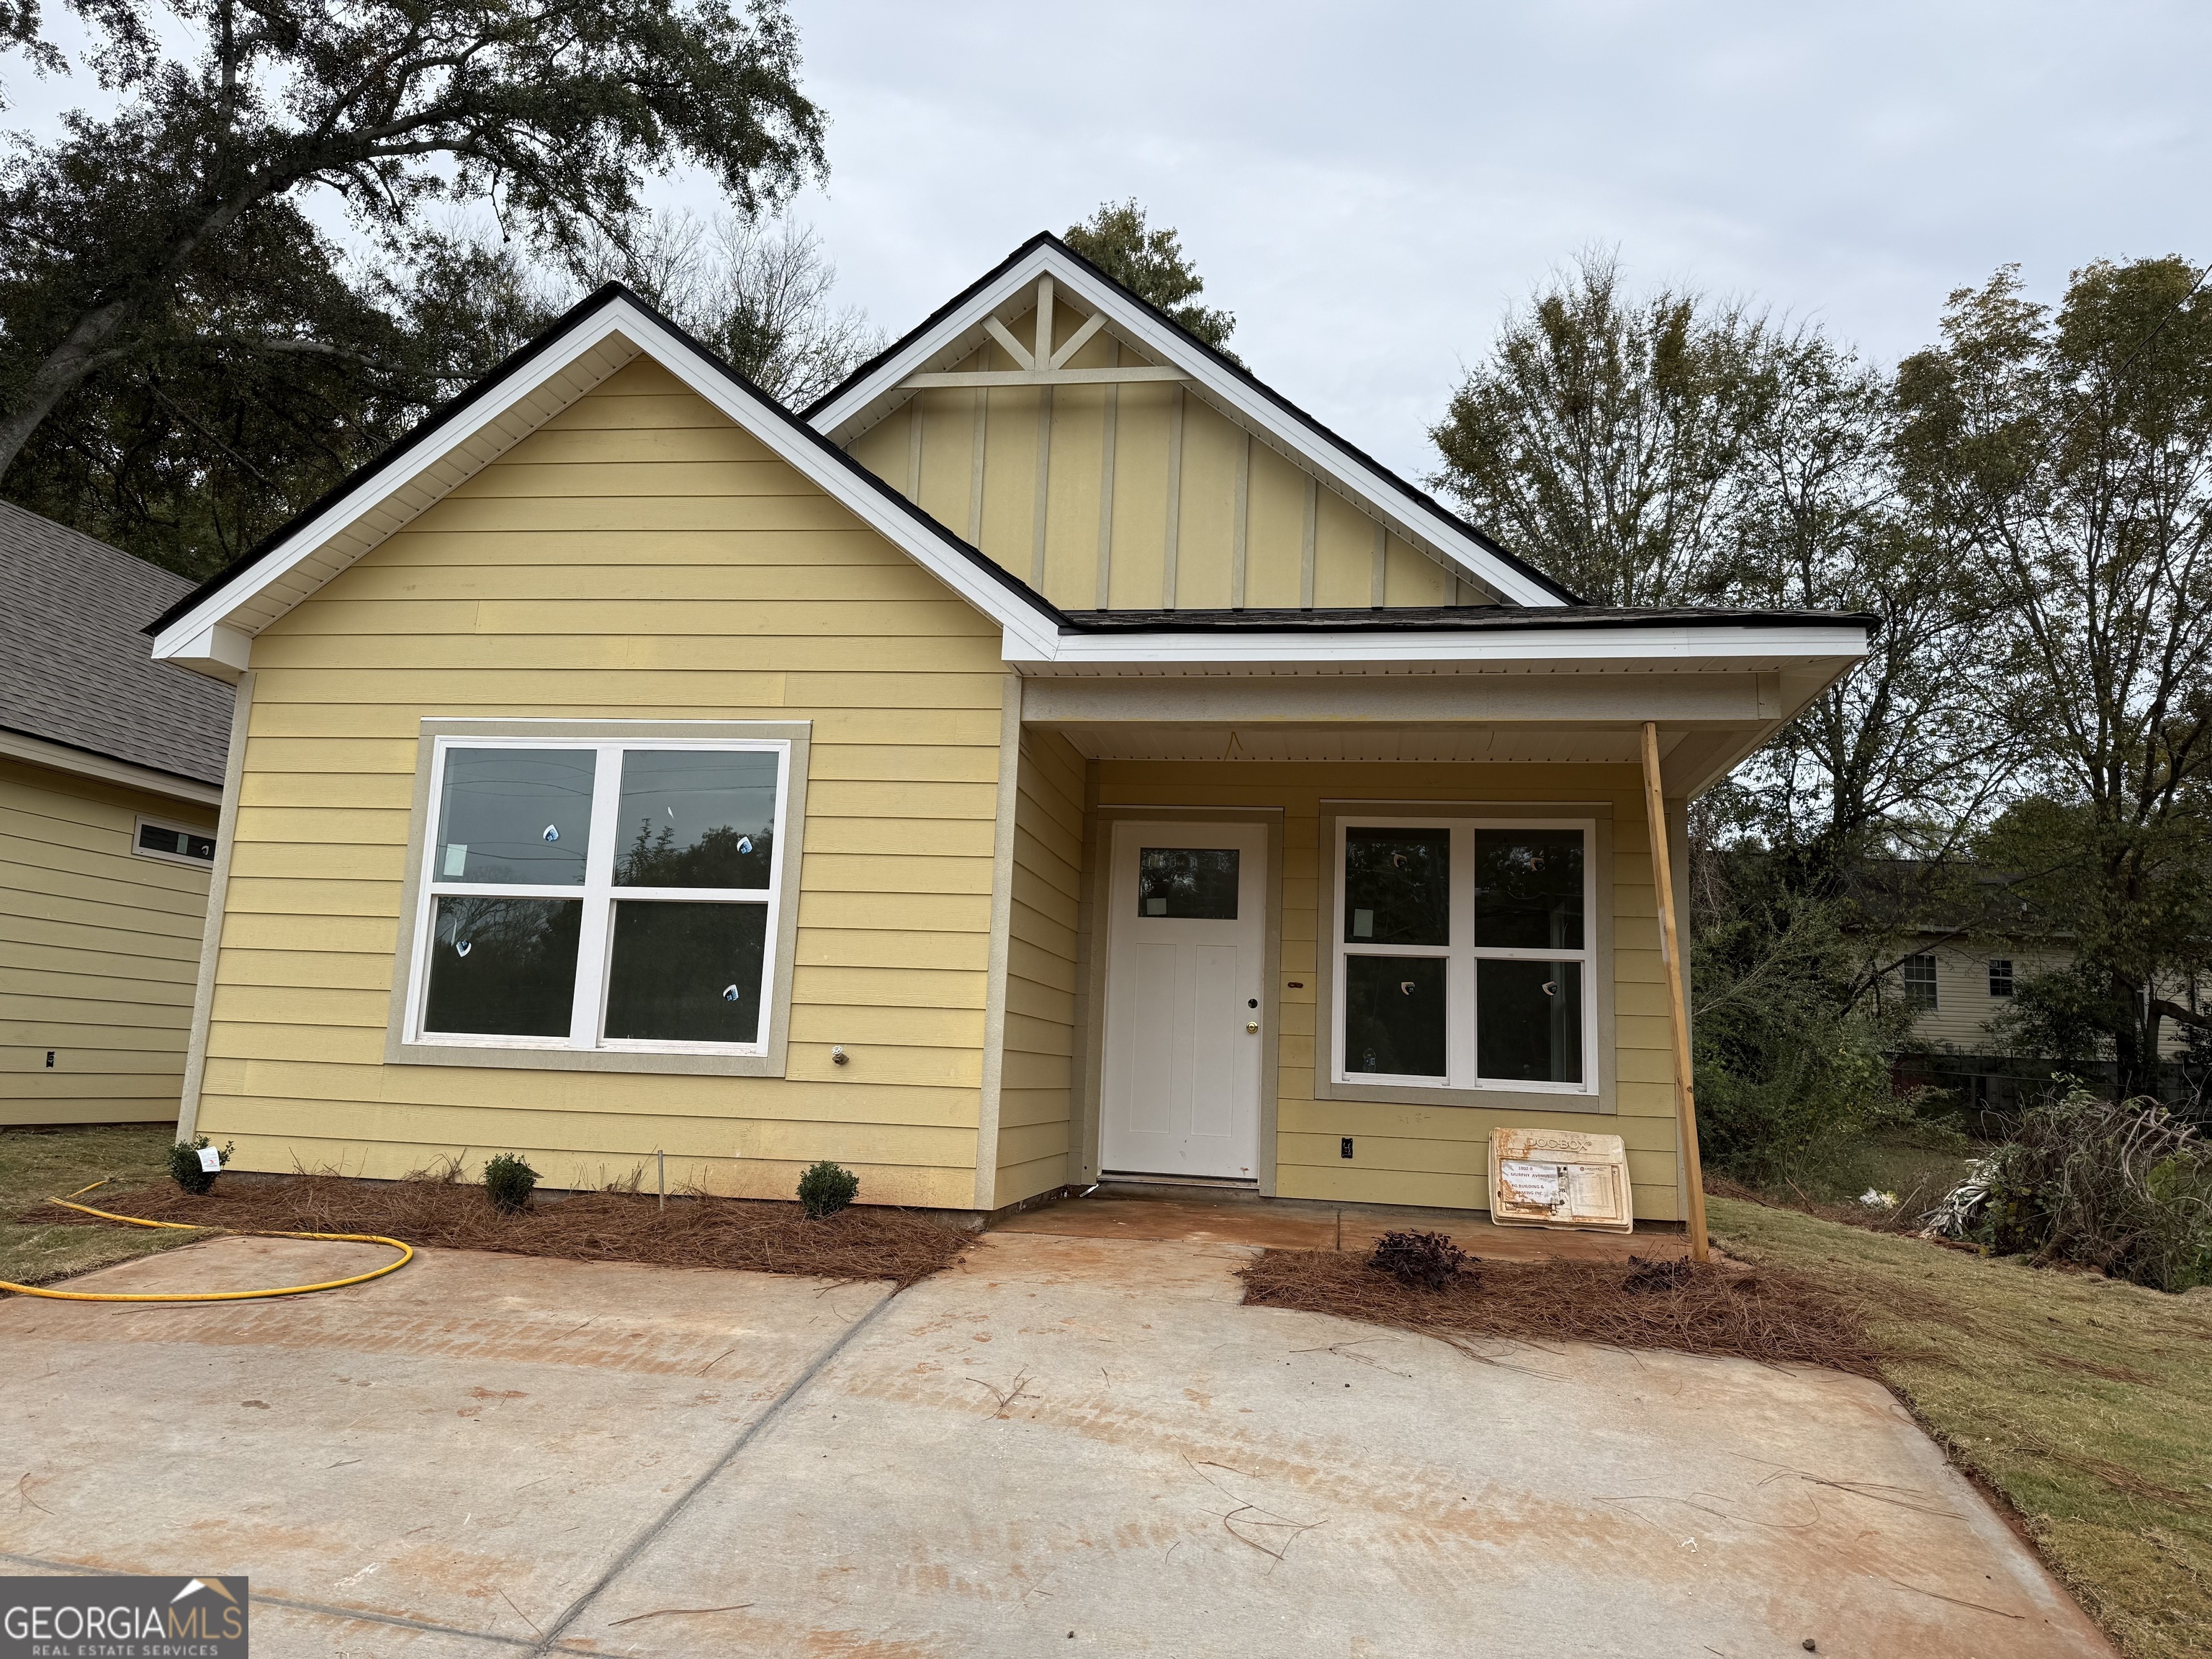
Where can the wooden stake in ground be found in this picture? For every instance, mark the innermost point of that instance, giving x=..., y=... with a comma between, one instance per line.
x=1670, y=950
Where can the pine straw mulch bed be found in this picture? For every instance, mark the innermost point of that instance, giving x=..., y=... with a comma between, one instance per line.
x=1722, y=1308
x=693, y=1231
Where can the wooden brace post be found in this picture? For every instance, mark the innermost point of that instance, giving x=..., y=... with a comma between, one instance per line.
x=1670, y=948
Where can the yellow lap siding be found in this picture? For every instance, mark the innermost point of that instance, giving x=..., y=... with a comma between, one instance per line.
x=1037, y=1098
x=639, y=557
x=98, y=949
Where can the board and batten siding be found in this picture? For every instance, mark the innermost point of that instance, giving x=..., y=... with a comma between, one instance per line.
x=1036, y=1095
x=1436, y=1155
x=99, y=948
x=640, y=557
x=1145, y=497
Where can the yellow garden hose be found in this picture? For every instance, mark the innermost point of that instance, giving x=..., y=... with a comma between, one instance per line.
x=406, y=1255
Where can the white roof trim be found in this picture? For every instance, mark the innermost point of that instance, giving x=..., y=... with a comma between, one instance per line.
x=1595, y=649
x=1419, y=524
x=215, y=636
x=208, y=637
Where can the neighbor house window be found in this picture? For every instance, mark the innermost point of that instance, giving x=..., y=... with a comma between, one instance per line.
x=156, y=839
x=2000, y=976
x=1920, y=972
x=1463, y=954
x=616, y=895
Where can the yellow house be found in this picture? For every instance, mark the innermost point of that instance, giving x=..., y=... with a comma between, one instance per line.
x=111, y=770
x=1053, y=757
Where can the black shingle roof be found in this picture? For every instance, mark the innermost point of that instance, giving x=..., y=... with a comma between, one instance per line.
x=77, y=671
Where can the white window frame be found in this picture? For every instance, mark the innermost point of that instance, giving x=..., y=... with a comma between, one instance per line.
x=1907, y=982
x=142, y=824
x=2011, y=977
x=1460, y=954
x=599, y=894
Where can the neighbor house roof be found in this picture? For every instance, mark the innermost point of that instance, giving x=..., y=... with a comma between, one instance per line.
x=957, y=327
x=82, y=679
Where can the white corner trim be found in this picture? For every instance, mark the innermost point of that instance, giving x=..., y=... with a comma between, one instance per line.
x=213, y=634
x=1414, y=520
x=60, y=757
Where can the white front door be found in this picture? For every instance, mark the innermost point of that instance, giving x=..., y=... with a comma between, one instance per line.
x=1186, y=947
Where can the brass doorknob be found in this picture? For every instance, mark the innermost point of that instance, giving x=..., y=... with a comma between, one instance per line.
x=1251, y=1024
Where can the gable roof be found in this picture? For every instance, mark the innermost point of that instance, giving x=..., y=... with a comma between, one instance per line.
x=84, y=680
x=211, y=628
x=956, y=327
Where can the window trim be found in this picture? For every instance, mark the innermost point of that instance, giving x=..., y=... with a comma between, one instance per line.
x=1906, y=982
x=2011, y=977
x=142, y=822
x=406, y=1043
x=1596, y=1094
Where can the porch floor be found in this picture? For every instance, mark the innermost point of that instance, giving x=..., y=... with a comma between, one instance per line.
x=1297, y=1223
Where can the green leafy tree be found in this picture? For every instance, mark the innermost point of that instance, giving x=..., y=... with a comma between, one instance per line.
x=2068, y=451
x=1603, y=435
x=155, y=261
x=1150, y=262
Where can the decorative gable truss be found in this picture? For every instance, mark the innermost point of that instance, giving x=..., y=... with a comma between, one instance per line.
x=1088, y=445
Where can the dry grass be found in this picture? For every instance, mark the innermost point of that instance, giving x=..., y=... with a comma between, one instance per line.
x=2084, y=1402
x=693, y=1231
x=35, y=1165
x=1775, y=1316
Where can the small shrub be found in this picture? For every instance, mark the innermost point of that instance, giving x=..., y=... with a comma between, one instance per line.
x=825, y=1189
x=184, y=1164
x=508, y=1181
x=1423, y=1261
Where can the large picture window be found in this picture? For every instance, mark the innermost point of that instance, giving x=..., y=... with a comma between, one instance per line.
x=601, y=896
x=1464, y=954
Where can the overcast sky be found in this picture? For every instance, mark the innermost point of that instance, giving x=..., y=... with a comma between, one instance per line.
x=1369, y=187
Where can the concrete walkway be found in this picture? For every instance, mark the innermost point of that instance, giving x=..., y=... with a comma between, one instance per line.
x=1070, y=1445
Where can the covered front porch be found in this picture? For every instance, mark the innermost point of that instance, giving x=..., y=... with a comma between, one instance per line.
x=1314, y=938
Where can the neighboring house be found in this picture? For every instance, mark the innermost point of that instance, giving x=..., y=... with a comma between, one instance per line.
x=111, y=771
x=1055, y=758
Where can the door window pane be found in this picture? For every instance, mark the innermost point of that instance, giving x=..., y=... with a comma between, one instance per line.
x=686, y=973
x=1528, y=1021
x=1189, y=883
x=518, y=816
x=691, y=818
x=1394, y=1015
x=1528, y=889
x=503, y=967
x=1397, y=886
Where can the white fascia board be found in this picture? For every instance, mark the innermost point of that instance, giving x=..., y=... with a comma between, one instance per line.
x=193, y=636
x=1536, y=649
x=1385, y=496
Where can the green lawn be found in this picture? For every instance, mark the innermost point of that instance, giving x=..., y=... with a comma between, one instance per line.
x=2087, y=1403
x=41, y=1163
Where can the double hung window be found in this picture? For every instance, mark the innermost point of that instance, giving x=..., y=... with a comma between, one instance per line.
x=1464, y=953
x=1919, y=977
x=615, y=895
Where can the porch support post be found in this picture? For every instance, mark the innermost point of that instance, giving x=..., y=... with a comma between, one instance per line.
x=1670, y=951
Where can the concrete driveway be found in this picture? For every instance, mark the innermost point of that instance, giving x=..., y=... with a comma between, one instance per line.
x=1071, y=1446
